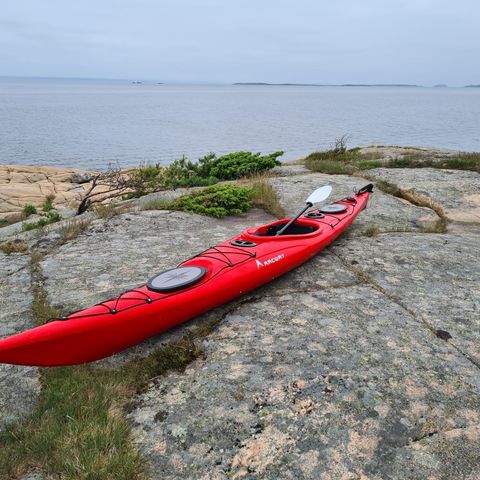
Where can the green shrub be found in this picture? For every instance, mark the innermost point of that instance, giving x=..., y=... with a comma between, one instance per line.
x=210, y=169
x=29, y=209
x=217, y=201
x=184, y=173
x=51, y=217
x=48, y=203
x=242, y=164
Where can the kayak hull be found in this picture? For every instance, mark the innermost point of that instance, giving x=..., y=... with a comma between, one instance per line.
x=138, y=314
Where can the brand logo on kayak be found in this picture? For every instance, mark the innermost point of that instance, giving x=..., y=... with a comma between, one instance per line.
x=268, y=262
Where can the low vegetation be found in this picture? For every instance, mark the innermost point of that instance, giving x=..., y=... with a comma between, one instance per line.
x=265, y=197
x=372, y=232
x=29, y=210
x=50, y=217
x=341, y=160
x=462, y=161
x=47, y=205
x=72, y=229
x=337, y=160
x=13, y=246
x=216, y=201
x=146, y=179
x=223, y=200
x=106, y=211
x=156, y=204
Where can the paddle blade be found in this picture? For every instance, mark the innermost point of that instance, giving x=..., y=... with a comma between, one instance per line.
x=319, y=195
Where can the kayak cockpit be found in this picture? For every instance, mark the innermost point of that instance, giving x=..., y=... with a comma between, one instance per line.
x=301, y=228
x=294, y=229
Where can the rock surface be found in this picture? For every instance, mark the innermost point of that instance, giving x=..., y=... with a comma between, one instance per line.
x=437, y=277
x=19, y=386
x=384, y=212
x=21, y=185
x=457, y=191
x=364, y=363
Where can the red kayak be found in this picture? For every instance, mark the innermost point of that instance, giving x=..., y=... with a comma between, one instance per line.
x=213, y=277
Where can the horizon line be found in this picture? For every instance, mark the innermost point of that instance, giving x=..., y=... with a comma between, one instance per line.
x=249, y=83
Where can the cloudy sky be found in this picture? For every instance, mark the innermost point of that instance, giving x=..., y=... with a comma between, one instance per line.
x=304, y=41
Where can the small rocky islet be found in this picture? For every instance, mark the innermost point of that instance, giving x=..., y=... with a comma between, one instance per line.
x=363, y=363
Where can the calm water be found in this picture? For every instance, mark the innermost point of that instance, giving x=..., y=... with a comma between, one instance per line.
x=93, y=123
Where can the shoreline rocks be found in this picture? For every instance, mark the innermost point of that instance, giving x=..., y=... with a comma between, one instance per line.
x=22, y=185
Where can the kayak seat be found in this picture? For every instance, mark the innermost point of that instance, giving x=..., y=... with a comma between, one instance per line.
x=294, y=229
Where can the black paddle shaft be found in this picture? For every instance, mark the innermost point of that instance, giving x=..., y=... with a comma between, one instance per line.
x=295, y=218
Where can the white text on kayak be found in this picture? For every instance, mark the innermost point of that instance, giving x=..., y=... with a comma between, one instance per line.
x=279, y=257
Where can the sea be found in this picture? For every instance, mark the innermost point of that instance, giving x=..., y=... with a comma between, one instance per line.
x=95, y=123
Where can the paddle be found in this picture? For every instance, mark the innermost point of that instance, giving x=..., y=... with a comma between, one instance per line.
x=319, y=195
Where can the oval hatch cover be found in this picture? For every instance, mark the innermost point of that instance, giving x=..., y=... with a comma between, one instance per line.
x=176, y=278
x=333, y=208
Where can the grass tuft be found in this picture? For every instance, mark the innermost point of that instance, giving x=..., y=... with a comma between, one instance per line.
x=13, y=246
x=372, y=232
x=156, y=204
x=265, y=197
x=72, y=229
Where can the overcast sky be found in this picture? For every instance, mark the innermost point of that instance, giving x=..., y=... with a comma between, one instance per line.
x=303, y=41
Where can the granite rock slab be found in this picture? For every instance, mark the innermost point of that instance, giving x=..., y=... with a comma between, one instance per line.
x=19, y=386
x=322, y=384
x=436, y=276
x=384, y=212
x=457, y=191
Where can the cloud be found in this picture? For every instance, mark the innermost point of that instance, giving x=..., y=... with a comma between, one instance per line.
x=414, y=41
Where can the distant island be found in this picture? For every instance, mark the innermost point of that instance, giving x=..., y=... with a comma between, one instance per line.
x=472, y=86
x=328, y=85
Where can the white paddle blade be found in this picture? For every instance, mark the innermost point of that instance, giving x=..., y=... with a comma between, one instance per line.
x=319, y=195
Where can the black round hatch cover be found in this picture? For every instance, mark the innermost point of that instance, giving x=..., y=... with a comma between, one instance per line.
x=243, y=243
x=333, y=208
x=176, y=278
x=314, y=214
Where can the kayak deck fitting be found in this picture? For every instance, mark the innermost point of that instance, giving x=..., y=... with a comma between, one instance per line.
x=213, y=277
